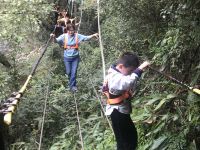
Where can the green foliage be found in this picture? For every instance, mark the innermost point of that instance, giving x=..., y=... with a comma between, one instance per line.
x=162, y=31
x=166, y=115
x=5, y=79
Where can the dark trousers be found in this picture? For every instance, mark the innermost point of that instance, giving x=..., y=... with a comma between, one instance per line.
x=124, y=130
x=71, y=66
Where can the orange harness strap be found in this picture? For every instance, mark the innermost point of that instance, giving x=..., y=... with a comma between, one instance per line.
x=117, y=100
x=66, y=42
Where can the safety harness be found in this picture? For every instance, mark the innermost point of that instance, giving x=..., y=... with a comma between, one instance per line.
x=73, y=46
x=118, y=99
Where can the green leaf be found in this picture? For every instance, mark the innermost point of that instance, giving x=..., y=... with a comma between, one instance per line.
x=151, y=101
x=163, y=101
x=59, y=108
x=158, y=142
x=160, y=104
x=170, y=96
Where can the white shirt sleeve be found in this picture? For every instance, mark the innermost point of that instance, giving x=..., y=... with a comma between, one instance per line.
x=119, y=83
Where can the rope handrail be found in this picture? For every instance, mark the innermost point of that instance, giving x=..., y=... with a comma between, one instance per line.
x=13, y=100
x=193, y=89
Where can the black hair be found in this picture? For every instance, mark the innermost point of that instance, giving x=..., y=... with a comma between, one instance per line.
x=129, y=59
x=70, y=26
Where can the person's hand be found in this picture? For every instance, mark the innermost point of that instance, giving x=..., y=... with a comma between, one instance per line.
x=144, y=65
x=96, y=35
x=52, y=35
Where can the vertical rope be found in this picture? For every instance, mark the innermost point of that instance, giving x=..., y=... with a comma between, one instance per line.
x=44, y=114
x=79, y=124
x=80, y=16
x=77, y=112
x=45, y=106
x=72, y=2
x=100, y=41
x=95, y=91
x=103, y=64
x=97, y=96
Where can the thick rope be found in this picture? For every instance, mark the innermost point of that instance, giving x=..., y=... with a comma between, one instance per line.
x=79, y=125
x=16, y=97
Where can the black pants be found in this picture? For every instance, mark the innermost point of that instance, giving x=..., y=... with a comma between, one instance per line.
x=124, y=130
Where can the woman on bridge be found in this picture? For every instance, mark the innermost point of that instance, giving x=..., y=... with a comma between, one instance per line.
x=71, y=41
